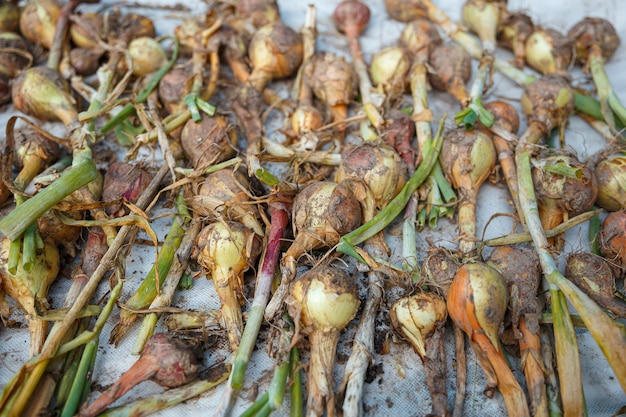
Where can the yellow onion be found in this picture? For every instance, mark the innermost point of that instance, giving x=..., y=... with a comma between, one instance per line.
x=548, y=51
x=564, y=186
x=42, y=93
x=30, y=289
x=9, y=16
x=128, y=26
x=611, y=176
x=275, y=52
x=334, y=82
x=513, y=33
x=483, y=18
x=208, y=142
x=593, y=274
x=38, y=21
x=147, y=55
x=406, y=10
x=416, y=317
x=612, y=241
x=322, y=301
x=226, y=193
x=451, y=68
x=86, y=30
x=225, y=250
x=548, y=100
x=379, y=167
x=419, y=37
x=389, y=68
x=467, y=158
x=14, y=54
x=593, y=32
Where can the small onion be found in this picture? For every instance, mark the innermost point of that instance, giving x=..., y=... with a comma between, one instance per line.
x=483, y=17
x=351, y=17
x=226, y=250
x=124, y=180
x=389, y=68
x=208, y=142
x=42, y=93
x=306, y=118
x=86, y=61
x=406, y=10
x=9, y=16
x=419, y=37
x=86, y=30
x=322, y=301
x=173, y=87
x=147, y=55
x=593, y=32
x=611, y=175
x=513, y=33
x=451, y=68
x=548, y=100
x=260, y=12
x=593, y=274
x=275, y=52
x=548, y=51
x=612, y=241
x=38, y=21
x=14, y=54
x=226, y=193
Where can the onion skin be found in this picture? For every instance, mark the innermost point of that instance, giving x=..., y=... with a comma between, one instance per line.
x=38, y=21
x=322, y=301
x=548, y=101
x=351, y=17
x=124, y=180
x=451, y=68
x=593, y=274
x=226, y=250
x=389, y=68
x=9, y=17
x=42, y=93
x=419, y=37
x=405, y=10
x=15, y=56
x=172, y=89
x=209, y=142
x=548, y=51
x=260, y=13
x=225, y=194
x=593, y=32
x=86, y=30
x=611, y=176
x=612, y=241
x=513, y=33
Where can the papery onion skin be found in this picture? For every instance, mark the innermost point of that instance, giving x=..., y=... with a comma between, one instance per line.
x=549, y=100
x=548, y=51
x=611, y=176
x=593, y=32
x=513, y=32
x=405, y=10
x=612, y=241
x=451, y=68
x=208, y=142
x=14, y=54
x=351, y=17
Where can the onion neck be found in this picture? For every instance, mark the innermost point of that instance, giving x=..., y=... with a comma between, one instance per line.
x=321, y=395
x=231, y=310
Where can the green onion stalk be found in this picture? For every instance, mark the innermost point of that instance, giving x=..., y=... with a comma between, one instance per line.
x=21, y=387
x=279, y=210
x=548, y=109
x=483, y=18
x=170, y=283
x=378, y=173
x=351, y=17
x=154, y=280
x=419, y=38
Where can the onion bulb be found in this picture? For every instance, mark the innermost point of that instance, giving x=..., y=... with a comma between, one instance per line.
x=612, y=241
x=275, y=52
x=86, y=30
x=322, y=301
x=451, y=68
x=38, y=21
x=593, y=32
x=169, y=361
x=14, y=54
x=225, y=250
x=406, y=10
x=548, y=51
x=147, y=55
x=477, y=302
x=593, y=274
x=611, y=176
x=389, y=68
x=419, y=37
x=124, y=180
x=208, y=142
x=513, y=33
x=548, y=100
x=9, y=16
x=467, y=158
x=226, y=193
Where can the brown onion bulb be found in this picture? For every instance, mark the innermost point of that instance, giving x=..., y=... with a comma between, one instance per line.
x=419, y=37
x=14, y=54
x=208, y=142
x=612, y=241
x=379, y=167
x=548, y=100
x=439, y=268
x=38, y=21
x=86, y=30
x=451, y=68
x=593, y=32
x=513, y=33
x=124, y=180
x=173, y=87
x=275, y=52
x=351, y=17
x=593, y=274
x=611, y=176
x=86, y=61
x=226, y=194
x=259, y=12
x=405, y=10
